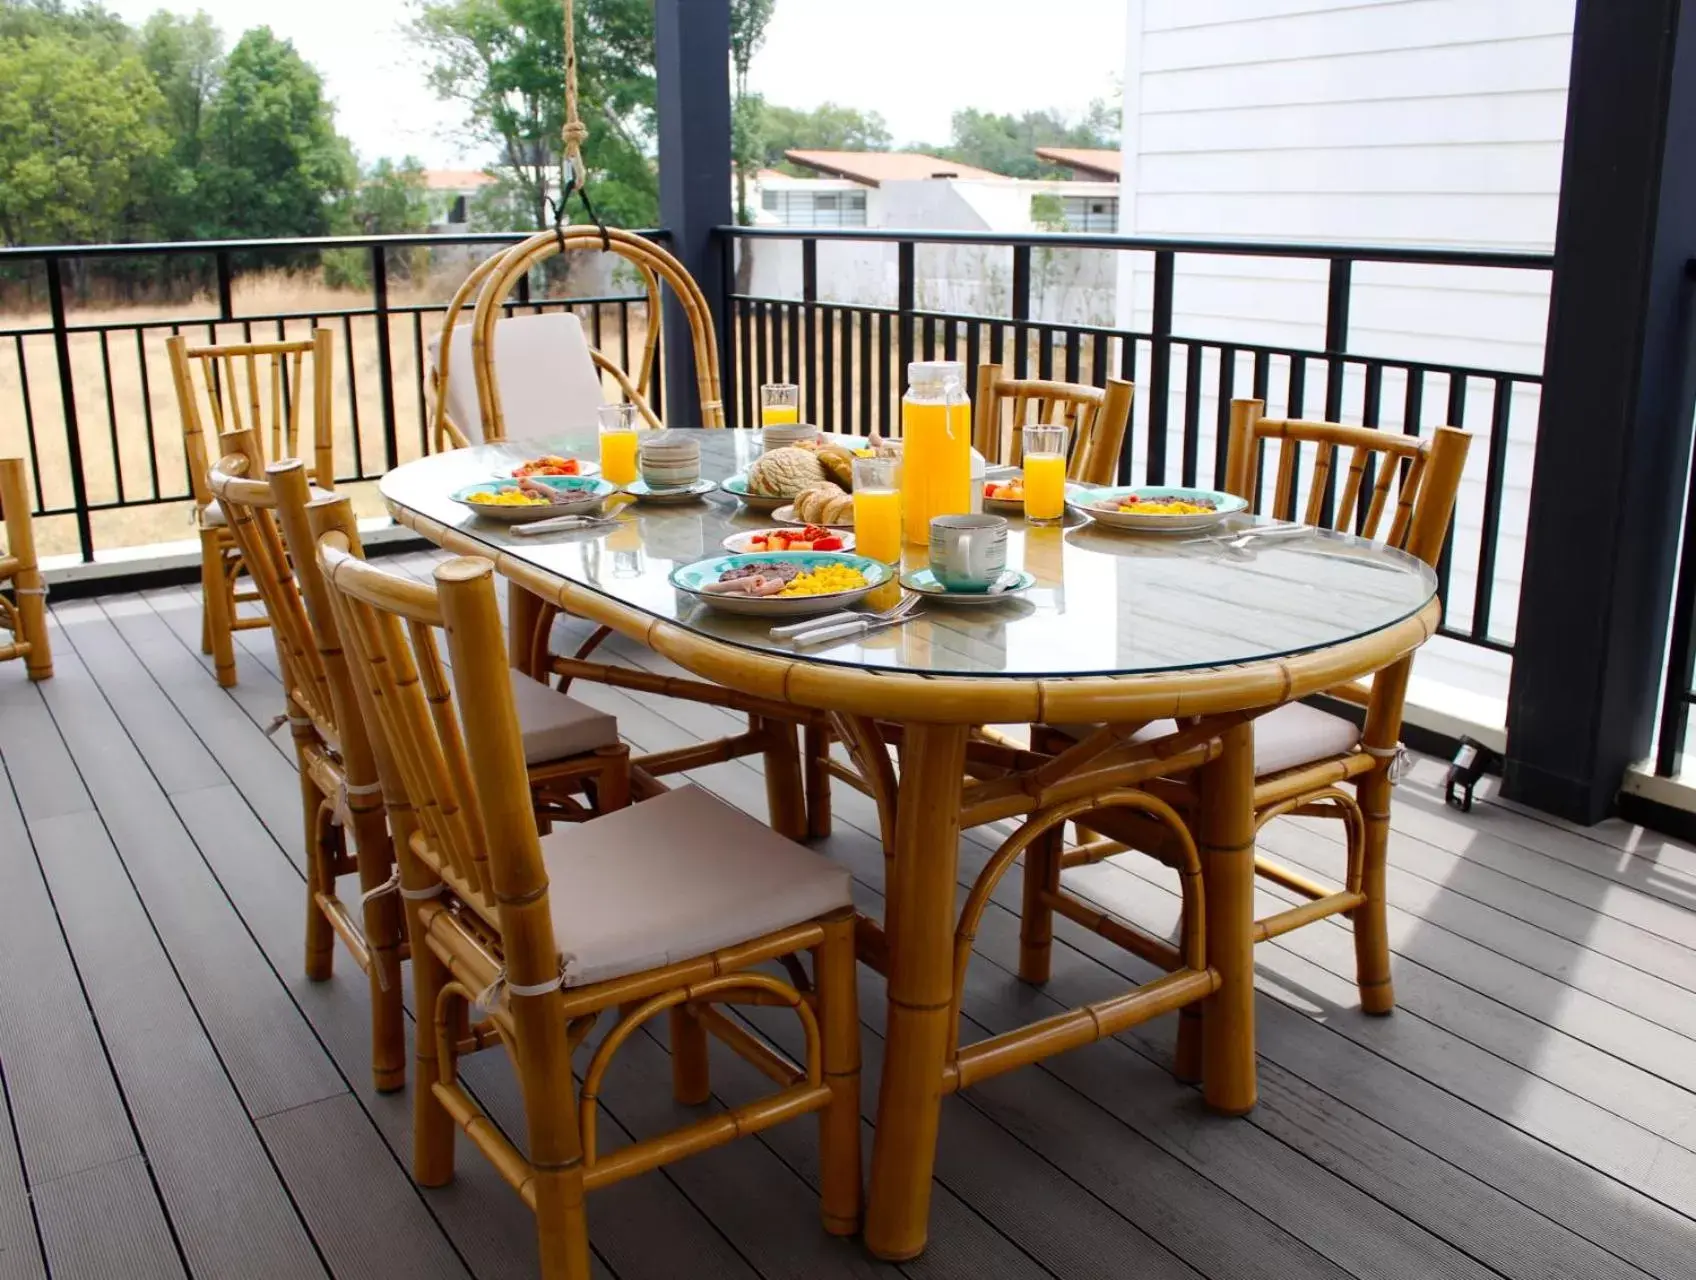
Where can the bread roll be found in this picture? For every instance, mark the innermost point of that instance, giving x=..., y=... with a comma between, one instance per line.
x=838, y=465
x=824, y=503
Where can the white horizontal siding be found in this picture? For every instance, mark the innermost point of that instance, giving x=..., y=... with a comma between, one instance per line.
x=1415, y=122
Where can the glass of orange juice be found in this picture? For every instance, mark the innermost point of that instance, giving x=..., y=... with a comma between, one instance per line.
x=780, y=402
x=877, y=508
x=618, y=443
x=1045, y=473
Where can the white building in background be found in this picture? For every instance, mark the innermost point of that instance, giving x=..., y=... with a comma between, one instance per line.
x=1409, y=122
x=451, y=192
x=913, y=191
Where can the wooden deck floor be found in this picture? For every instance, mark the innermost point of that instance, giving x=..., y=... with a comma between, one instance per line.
x=180, y=1100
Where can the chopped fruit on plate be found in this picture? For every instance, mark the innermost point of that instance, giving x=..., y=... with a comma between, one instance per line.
x=812, y=538
x=549, y=465
x=1005, y=490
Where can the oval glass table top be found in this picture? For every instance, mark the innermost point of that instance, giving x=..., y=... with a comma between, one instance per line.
x=1105, y=602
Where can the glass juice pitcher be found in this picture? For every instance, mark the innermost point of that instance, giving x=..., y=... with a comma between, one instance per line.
x=936, y=446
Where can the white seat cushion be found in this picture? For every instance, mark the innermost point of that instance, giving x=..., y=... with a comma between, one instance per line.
x=212, y=514
x=676, y=877
x=1294, y=734
x=547, y=377
x=555, y=725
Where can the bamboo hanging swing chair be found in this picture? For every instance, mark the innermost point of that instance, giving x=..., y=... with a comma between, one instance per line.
x=487, y=294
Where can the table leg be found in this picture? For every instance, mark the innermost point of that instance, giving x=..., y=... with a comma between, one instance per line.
x=523, y=613
x=919, y=926
x=1225, y=835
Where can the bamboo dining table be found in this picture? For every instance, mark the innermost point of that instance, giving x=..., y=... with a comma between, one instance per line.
x=1119, y=629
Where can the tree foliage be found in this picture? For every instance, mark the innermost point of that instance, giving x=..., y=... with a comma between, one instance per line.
x=1007, y=144
x=503, y=61
x=827, y=127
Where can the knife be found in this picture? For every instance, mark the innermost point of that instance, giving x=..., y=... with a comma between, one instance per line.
x=858, y=627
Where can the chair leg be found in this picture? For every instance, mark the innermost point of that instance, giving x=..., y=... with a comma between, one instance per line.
x=320, y=937
x=542, y=1058
x=1371, y=927
x=842, y=1197
x=32, y=626
x=217, y=609
x=817, y=744
x=1036, y=921
x=433, y=1129
x=384, y=928
x=691, y=1079
x=612, y=784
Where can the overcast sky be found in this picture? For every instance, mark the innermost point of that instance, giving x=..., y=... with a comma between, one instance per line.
x=915, y=61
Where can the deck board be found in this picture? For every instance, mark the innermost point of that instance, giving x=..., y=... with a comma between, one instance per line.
x=1530, y=1112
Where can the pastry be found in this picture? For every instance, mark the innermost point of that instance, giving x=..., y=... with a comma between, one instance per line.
x=824, y=503
x=785, y=472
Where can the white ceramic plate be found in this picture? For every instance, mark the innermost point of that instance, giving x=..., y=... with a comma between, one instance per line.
x=1099, y=505
x=740, y=543
x=786, y=515
x=690, y=578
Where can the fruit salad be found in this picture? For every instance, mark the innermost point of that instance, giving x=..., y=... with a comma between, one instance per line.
x=548, y=465
x=812, y=538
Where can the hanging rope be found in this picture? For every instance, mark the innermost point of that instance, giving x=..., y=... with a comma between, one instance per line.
x=575, y=134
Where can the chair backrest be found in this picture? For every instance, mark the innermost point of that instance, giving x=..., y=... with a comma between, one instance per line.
x=250, y=509
x=1097, y=416
x=656, y=267
x=1408, y=479
x=547, y=377
x=456, y=752
x=15, y=506
x=240, y=383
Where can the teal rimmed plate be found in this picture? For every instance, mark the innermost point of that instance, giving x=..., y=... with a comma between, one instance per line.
x=578, y=495
x=737, y=487
x=642, y=491
x=1101, y=505
x=924, y=582
x=693, y=579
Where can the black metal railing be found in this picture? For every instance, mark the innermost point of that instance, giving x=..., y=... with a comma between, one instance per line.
x=88, y=392
x=849, y=356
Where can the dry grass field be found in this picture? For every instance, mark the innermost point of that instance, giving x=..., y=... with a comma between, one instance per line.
x=131, y=432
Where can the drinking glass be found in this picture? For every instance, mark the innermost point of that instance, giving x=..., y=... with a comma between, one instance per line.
x=618, y=443
x=877, y=508
x=1045, y=473
x=780, y=402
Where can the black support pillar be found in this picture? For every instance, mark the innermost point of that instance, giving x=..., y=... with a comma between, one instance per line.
x=692, y=60
x=1614, y=433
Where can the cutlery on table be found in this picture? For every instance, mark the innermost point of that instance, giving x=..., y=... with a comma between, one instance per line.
x=561, y=523
x=858, y=627
x=790, y=630
x=1236, y=541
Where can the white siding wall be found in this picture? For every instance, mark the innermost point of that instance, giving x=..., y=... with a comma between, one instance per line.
x=1428, y=122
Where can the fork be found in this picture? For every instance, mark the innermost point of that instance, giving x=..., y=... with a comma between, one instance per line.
x=898, y=610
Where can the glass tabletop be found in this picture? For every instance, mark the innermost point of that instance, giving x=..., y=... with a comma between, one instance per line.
x=1104, y=602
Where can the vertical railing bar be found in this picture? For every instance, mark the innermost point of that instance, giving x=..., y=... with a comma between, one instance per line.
x=810, y=297
x=762, y=366
x=29, y=421
x=1494, y=478
x=793, y=312
x=1160, y=365
x=750, y=409
x=1074, y=355
x=385, y=357
x=1021, y=309
x=888, y=383
x=423, y=383
x=905, y=295
x=353, y=397
x=1338, y=293
x=1192, y=412
x=779, y=359
x=868, y=391
x=1045, y=352
x=226, y=292
x=974, y=354
x=1222, y=425
x=68, y=404
x=112, y=416
x=828, y=315
x=1681, y=650
x=1456, y=417
x=1296, y=394
x=624, y=337
x=1127, y=371
x=844, y=324
x=1371, y=414
x=731, y=374
x=1098, y=361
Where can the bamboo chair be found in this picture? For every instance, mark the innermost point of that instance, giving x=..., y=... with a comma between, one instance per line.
x=1098, y=418
x=24, y=616
x=252, y=375
x=663, y=907
x=340, y=794
x=799, y=794
x=1397, y=487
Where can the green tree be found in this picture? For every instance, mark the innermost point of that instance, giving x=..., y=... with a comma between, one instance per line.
x=272, y=161
x=1007, y=144
x=80, y=142
x=185, y=57
x=748, y=19
x=392, y=199
x=503, y=61
x=827, y=127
